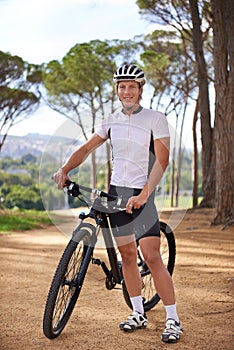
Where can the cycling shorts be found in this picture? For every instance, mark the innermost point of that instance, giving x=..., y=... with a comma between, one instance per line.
x=142, y=222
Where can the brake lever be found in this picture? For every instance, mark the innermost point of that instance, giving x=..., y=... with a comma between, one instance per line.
x=72, y=189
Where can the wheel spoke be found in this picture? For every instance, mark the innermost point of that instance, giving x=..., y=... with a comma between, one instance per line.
x=64, y=296
x=148, y=290
x=67, y=287
x=164, y=250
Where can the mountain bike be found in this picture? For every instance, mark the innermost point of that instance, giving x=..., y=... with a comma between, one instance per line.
x=79, y=253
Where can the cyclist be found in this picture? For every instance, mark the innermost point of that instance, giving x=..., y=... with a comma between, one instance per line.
x=134, y=132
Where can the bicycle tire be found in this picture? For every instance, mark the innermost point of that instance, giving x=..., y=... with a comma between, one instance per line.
x=168, y=254
x=67, y=282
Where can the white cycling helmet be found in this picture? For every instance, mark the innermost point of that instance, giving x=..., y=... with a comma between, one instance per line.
x=129, y=72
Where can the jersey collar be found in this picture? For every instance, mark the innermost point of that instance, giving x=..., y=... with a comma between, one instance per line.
x=134, y=112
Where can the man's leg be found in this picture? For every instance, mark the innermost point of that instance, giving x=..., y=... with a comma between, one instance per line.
x=150, y=247
x=132, y=279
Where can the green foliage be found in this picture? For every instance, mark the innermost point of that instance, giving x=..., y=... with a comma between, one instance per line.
x=169, y=68
x=24, y=197
x=83, y=79
x=17, y=100
x=16, y=220
x=8, y=162
x=7, y=180
x=11, y=68
x=83, y=74
x=22, y=190
x=17, y=186
x=28, y=158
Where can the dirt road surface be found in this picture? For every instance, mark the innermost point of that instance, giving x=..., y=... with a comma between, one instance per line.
x=203, y=279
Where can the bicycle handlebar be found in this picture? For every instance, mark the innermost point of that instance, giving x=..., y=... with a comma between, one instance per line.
x=73, y=189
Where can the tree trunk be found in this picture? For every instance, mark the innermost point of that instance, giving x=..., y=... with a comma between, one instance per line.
x=223, y=31
x=173, y=170
x=195, y=158
x=108, y=158
x=172, y=183
x=208, y=166
x=180, y=157
x=93, y=170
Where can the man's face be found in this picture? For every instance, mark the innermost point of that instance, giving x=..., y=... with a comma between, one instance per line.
x=129, y=92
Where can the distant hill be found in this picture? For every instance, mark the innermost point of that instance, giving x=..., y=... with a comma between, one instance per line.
x=36, y=144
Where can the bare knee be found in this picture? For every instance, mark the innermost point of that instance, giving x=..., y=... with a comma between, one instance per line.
x=128, y=254
x=150, y=248
x=152, y=258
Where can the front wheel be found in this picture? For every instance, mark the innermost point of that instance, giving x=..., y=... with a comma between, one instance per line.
x=168, y=253
x=68, y=281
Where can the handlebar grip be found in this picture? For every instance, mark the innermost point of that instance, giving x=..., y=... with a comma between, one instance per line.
x=72, y=188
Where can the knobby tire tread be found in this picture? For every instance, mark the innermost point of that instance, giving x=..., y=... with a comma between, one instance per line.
x=48, y=329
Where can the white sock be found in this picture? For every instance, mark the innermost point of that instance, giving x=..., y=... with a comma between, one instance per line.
x=171, y=312
x=137, y=304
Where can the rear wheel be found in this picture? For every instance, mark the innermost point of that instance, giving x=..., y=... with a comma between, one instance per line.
x=168, y=253
x=67, y=281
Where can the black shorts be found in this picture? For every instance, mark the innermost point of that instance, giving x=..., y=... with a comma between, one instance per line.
x=142, y=222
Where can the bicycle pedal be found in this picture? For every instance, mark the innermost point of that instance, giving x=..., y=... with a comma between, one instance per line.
x=96, y=261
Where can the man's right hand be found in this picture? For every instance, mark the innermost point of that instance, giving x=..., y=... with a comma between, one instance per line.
x=60, y=178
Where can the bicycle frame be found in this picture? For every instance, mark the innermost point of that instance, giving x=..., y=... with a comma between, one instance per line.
x=114, y=275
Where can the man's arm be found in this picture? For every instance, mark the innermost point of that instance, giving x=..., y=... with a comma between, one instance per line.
x=76, y=159
x=162, y=151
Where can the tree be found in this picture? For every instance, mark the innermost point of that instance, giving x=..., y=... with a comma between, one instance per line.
x=177, y=15
x=207, y=135
x=24, y=198
x=171, y=72
x=80, y=86
x=17, y=101
x=223, y=33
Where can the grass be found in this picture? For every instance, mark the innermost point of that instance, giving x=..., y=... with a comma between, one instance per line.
x=184, y=202
x=18, y=220
x=23, y=220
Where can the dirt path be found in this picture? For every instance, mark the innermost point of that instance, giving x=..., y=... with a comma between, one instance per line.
x=203, y=278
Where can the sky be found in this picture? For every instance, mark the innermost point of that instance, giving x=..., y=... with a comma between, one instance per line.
x=40, y=31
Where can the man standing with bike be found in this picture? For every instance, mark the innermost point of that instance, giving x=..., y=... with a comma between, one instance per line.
x=136, y=135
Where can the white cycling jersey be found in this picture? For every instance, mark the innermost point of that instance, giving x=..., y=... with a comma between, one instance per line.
x=130, y=141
